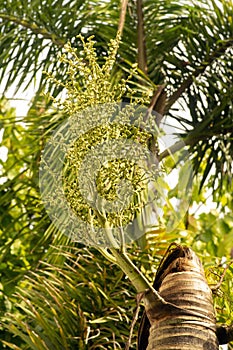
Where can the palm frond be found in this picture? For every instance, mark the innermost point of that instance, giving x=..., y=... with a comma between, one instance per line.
x=190, y=50
x=84, y=303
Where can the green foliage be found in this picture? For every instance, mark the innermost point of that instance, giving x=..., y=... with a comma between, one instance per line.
x=25, y=230
x=22, y=216
x=42, y=26
x=71, y=306
x=189, y=48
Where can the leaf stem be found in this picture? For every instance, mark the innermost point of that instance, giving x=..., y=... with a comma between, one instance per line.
x=141, y=39
x=136, y=277
x=124, y=4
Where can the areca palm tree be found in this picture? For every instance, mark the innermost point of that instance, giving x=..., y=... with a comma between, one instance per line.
x=184, y=57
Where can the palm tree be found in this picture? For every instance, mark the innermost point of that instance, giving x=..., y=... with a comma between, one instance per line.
x=184, y=56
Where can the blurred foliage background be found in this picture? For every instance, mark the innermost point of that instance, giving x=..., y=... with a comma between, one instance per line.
x=57, y=294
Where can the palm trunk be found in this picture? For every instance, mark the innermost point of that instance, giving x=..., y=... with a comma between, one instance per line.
x=187, y=321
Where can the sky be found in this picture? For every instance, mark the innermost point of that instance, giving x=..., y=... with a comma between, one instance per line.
x=20, y=100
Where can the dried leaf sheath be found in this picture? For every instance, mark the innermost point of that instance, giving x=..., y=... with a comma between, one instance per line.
x=191, y=324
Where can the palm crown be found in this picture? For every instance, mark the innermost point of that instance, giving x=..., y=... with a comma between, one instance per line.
x=184, y=48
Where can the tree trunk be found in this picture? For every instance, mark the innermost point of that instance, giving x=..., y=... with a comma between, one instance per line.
x=187, y=321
